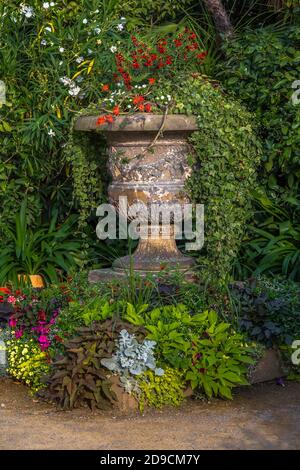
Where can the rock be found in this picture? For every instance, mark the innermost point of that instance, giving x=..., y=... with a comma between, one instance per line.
x=268, y=368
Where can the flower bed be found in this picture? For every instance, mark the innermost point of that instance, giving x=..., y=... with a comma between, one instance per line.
x=80, y=337
x=93, y=345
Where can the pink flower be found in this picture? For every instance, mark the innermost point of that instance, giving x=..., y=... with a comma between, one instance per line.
x=11, y=299
x=44, y=342
x=12, y=322
x=18, y=334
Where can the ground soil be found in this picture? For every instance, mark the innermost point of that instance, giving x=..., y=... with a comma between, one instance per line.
x=263, y=416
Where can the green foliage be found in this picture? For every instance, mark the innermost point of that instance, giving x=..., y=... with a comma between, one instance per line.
x=35, y=53
x=272, y=244
x=51, y=251
x=261, y=68
x=158, y=391
x=77, y=377
x=268, y=310
x=26, y=362
x=220, y=358
x=213, y=356
x=226, y=155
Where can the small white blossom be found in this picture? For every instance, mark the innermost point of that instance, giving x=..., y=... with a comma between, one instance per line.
x=52, y=4
x=28, y=12
x=162, y=97
x=48, y=29
x=79, y=60
x=120, y=27
x=97, y=30
x=144, y=86
x=96, y=11
x=169, y=97
x=123, y=18
x=113, y=49
x=43, y=42
x=85, y=21
x=60, y=62
x=61, y=49
x=74, y=90
x=46, y=5
x=90, y=51
x=65, y=81
x=51, y=133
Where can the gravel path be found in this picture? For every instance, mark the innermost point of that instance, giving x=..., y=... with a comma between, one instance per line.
x=264, y=416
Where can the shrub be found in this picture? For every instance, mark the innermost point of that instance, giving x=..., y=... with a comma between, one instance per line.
x=158, y=391
x=26, y=362
x=261, y=68
x=268, y=310
x=77, y=377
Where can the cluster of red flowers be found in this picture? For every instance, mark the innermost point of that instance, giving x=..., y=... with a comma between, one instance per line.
x=167, y=52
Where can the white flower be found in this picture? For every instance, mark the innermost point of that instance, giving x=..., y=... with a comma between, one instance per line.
x=162, y=97
x=90, y=51
x=144, y=86
x=43, y=42
x=79, y=60
x=85, y=21
x=28, y=12
x=48, y=29
x=52, y=4
x=120, y=27
x=46, y=5
x=123, y=18
x=113, y=49
x=169, y=97
x=65, y=81
x=97, y=30
x=51, y=133
x=96, y=11
x=60, y=62
x=61, y=49
x=74, y=90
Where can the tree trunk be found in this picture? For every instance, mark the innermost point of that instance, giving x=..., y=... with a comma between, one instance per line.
x=221, y=19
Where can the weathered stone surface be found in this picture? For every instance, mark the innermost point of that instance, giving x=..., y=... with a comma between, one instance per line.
x=148, y=162
x=268, y=368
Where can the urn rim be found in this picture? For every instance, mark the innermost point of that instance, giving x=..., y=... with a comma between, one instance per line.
x=139, y=122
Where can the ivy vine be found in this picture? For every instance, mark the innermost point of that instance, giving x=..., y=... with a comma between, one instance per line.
x=227, y=152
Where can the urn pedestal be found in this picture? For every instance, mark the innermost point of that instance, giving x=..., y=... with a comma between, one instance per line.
x=147, y=160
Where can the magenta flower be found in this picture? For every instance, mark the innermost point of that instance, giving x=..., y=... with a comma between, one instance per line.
x=12, y=322
x=44, y=342
x=11, y=299
x=18, y=334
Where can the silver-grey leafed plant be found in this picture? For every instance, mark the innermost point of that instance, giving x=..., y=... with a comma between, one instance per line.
x=132, y=357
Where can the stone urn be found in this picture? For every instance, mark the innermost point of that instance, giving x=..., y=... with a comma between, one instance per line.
x=147, y=159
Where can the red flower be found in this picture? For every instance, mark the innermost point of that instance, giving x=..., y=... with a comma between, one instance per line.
x=138, y=99
x=116, y=111
x=177, y=42
x=5, y=290
x=151, y=81
x=148, y=108
x=12, y=322
x=169, y=60
x=202, y=55
x=105, y=88
x=58, y=338
x=42, y=315
x=100, y=121
x=141, y=107
x=109, y=118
